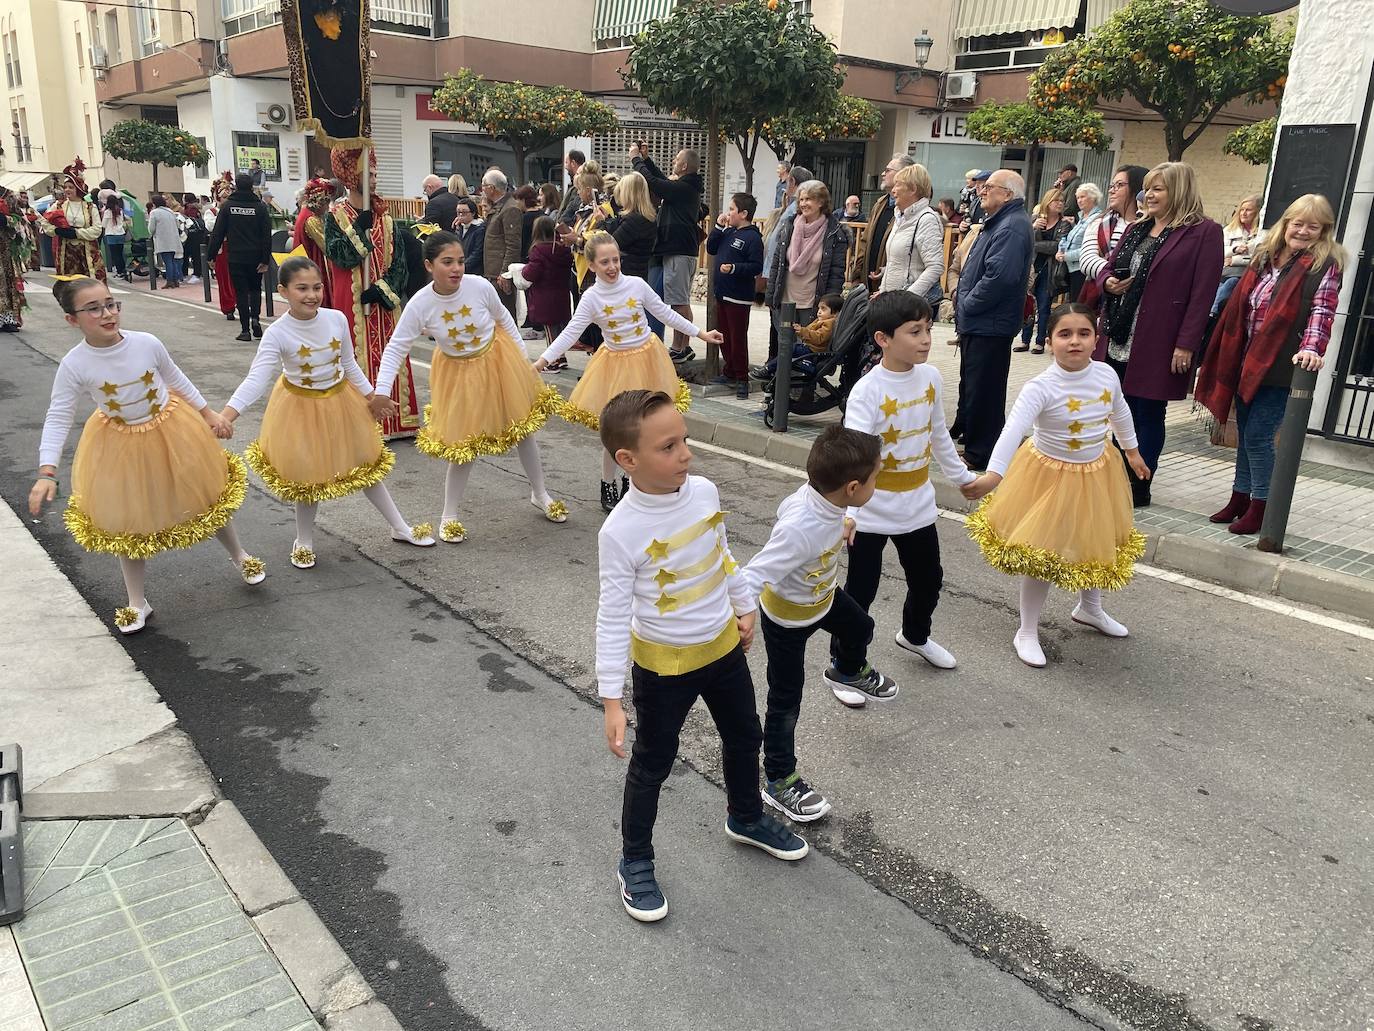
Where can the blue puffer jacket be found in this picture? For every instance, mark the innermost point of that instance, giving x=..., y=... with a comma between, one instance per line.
x=992, y=283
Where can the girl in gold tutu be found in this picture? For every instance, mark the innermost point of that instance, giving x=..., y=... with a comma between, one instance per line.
x=319, y=439
x=632, y=356
x=1062, y=512
x=483, y=398
x=149, y=474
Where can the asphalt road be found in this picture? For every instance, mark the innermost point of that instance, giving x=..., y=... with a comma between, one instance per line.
x=1171, y=831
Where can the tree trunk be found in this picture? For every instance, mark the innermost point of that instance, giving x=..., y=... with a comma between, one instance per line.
x=518, y=150
x=713, y=360
x=1173, y=140
x=155, y=190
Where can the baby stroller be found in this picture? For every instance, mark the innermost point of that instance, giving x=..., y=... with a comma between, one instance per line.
x=820, y=382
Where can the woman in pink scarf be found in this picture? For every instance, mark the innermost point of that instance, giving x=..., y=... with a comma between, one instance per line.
x=809, y=260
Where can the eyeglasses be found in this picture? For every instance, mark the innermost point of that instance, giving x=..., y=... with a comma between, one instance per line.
x=101, y=309
x=1117, y=186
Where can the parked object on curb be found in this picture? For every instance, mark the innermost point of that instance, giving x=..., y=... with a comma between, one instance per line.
x=11, y=833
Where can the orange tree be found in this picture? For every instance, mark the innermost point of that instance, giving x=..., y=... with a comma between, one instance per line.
x=846, y=118
x=732, y=67
x=1184, y=60
x=1023, y=124
x=526, y=118
x=152, y=143
x=1253, y=143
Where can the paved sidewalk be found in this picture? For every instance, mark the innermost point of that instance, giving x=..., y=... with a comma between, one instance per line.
x=150, y=904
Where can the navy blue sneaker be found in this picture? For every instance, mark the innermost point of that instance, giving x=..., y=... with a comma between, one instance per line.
x=770, y=835
x=639, y=891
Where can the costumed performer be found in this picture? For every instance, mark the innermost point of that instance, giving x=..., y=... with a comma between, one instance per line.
x=484, y=398
x=633, y=358
x=358, y=237
x=148, y=474
x=74, y=223
x=16, y=245
x=1062, y=514
x=309, y=232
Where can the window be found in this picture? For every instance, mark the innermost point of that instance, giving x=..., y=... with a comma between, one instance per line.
x=148, y=41
x=471, y=154
x=112, y=37
x=997, y=34
x=262, y=146
x=80, y=53
x=246, y=15
x=412, y=16
x=9, y=62
x=90, y=139
x=203, y=169
x=947, y=163
x=13, y=74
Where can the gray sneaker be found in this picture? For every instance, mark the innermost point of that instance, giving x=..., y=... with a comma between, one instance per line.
x=867, y=683
x=796, y=798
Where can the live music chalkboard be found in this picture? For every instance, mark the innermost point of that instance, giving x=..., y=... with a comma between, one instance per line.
x=1310, y=159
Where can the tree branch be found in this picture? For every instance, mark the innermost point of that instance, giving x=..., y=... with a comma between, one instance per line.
x=1191, y=137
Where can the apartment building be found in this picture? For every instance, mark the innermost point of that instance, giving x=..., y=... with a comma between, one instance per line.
x=218, y=69
x=50, y=92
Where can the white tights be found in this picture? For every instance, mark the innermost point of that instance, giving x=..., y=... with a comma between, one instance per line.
x=456, y=479
x=135, y=570
x=1033, y=595
x=377, y=494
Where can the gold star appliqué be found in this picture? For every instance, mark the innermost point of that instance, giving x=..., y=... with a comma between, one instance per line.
x=147, y=378
x=453, y=332
x=448, y=316
x=303, y=352
x=889, y=462
x=664, y=577
x=891, y=435
x=469, y=328
x=113, y=406
x=465, y=311
x=608, y=309
x=888, y=407
x=1074, y=445
x=632, y=303
x=1106, y=397
x=110, y=389
x=1075, y=427
x=930, y=394
x=657, y=550
x=306, y=367
x=336, y=343
x=1074, y=404
x=666, y=603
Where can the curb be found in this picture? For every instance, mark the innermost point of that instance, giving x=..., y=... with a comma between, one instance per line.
x=1240, y=569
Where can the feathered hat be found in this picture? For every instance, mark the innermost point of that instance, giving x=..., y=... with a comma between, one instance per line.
x=71, y=174
x=318, y=193
x=348, y=165
x=223, y=186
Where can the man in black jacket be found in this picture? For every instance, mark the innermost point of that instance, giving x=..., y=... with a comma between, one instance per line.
x=245, y=227
x=679, y=232
x=442, y=207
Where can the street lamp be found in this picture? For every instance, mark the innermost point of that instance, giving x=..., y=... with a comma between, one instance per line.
x=922, y=45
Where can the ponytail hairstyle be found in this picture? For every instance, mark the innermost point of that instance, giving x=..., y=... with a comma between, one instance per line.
x=595, y=242
x=1068, y=308
x=543, y=230
x=66, y=291
x=294, y=266
x=438, y=242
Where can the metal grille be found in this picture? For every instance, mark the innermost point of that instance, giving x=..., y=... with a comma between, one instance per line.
x=1350, y=415
x=610, y=150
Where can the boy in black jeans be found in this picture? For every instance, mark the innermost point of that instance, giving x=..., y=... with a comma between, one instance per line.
x=795, y=578
x=673, y=600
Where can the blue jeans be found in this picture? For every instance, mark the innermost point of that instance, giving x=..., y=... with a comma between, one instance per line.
x=1041, y=290
x=1224, y=290
x=656, y=285
x=171, y=265
x=1256, y=424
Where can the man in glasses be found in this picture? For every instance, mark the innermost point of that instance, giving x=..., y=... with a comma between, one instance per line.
x=866, y=263
x=991, y=302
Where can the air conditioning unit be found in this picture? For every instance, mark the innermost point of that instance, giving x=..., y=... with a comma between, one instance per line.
x=960, y=85
x=274, y=115
x=100, y=60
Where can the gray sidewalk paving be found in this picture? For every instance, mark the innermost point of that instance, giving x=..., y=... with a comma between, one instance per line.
x=150, y=903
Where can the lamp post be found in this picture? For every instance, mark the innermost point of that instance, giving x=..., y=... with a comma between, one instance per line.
x=922, y=44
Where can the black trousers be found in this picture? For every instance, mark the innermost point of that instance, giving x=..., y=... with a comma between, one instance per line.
x=661, y=707
x=919, y=554
x=247, y=282
x=984, y=363
x=851, y=631
x=191, y=253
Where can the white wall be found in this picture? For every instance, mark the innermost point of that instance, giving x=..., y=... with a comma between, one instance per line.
x=232, y=107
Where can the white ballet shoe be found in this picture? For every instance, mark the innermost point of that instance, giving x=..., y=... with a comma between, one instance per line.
x=451, y=531
x=933, y=652
x=421, y=535
x=301, y=556
x=1099, y=621
x=554, y=511
x=252, y=569
x=130, y=620
x=1028, y=650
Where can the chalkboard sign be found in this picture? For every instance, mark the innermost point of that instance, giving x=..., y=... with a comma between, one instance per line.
x=1309, y=159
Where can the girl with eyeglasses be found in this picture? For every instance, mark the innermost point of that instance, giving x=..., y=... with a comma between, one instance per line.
x=149, y=475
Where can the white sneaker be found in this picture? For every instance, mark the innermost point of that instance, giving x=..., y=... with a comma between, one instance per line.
x=849, y=697
x=1028, y=649
x=1099, y=621
x=191, y=279
x=931, y=651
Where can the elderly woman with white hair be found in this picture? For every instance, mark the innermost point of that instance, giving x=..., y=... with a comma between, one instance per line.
x=1089, y=198
x=916, y=241
x=808, y=262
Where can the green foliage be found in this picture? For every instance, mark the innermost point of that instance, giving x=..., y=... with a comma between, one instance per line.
x=1023, y=124
x=152, y=143
x=527, y=118
x=1183, y=59
x=1253, y=143
x=847, y=118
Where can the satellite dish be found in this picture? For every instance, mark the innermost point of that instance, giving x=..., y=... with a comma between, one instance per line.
x=1254, y=6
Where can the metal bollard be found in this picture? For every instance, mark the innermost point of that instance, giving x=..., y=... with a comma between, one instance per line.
x=269, y=287
x=1285, y=476
x=11, y=833
x=782, y=379
x=152, y=266
x=205, y=268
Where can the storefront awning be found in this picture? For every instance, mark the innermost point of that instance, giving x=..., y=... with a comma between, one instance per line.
x=1100, y=10
x=18, y=181
x=619, y=19
x=994, y=17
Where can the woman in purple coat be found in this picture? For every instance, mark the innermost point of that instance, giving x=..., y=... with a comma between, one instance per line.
x=1158, y=285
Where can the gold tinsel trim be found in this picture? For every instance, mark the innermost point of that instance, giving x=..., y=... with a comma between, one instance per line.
x=1043, y=564
x=302, y=557
x=183, y=535
x=682, y=401
x=556, y=511
x=351, y=482
x=252, y=567
x=548, y=402
x=453, y=532
x=420, y=531
x=125, y=616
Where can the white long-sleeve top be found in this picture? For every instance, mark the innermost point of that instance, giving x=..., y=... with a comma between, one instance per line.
x=915, y=250
x=1092, y=256
x=904, y=409
x=128, y=382
x=794, y=574
x=462, y=324
x=667, y=576
x=1069, y=414
x=619, y=310
x=314, y=353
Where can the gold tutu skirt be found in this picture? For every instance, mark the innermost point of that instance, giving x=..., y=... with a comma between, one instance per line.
x=484, y=405
x=140, y=490
x=317, y=445
x=646, y=367
x=1067, y=523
